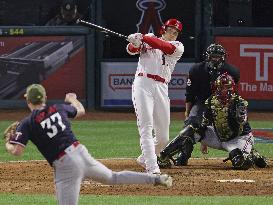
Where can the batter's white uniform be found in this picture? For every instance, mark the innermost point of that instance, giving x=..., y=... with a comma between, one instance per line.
x=151, y=101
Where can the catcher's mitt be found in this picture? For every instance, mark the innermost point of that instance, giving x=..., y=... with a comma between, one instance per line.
x=10, y=131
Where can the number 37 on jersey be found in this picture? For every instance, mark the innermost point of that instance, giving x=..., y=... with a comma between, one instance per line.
x=52, y=123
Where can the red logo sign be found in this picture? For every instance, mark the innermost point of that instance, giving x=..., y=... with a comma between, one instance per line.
x=254, y=57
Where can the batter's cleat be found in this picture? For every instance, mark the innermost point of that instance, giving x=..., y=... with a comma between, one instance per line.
x=140, y=160
x=164, y=180
x=259, y=160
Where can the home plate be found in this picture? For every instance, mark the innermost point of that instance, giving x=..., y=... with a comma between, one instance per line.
x=237, y=180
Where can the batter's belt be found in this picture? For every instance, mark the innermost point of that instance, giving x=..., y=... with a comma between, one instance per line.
x=154, y=77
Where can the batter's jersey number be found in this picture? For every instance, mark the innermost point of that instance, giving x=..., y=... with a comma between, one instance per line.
x=163, y=59
x=51, y=122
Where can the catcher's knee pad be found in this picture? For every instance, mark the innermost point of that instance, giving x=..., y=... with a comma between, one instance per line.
x=194, y=121
x=239, y=161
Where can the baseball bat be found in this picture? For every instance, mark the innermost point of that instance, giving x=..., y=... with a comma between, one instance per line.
x=106, y=30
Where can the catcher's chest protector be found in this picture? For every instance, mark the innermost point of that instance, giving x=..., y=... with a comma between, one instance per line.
x=223, y=120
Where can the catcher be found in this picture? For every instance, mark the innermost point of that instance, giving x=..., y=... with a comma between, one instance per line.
x=224, y=126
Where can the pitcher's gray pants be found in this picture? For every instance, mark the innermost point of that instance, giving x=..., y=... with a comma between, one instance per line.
x=78, y=164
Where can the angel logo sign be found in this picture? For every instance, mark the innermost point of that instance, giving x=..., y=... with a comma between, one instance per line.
x=150, y=21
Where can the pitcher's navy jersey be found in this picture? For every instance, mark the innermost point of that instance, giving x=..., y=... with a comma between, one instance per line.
x=49, y=129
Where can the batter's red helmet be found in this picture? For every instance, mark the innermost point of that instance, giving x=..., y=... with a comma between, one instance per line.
x=172, y=23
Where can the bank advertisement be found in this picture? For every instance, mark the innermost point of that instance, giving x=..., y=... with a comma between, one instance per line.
x=117, y=79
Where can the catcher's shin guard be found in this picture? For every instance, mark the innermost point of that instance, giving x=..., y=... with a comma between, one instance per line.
x=239, y=161
x=185, y=154
x=180, y=143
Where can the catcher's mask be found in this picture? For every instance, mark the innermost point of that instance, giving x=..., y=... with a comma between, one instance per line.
x=215, y=56
x=223, y=88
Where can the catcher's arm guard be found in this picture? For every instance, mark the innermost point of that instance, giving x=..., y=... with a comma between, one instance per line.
x=10, y=131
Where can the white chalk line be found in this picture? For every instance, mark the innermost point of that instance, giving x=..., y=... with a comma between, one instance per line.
x=236, y=180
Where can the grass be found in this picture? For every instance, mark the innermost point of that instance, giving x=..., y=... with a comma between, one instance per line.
x=139, y=200
x=114, y=139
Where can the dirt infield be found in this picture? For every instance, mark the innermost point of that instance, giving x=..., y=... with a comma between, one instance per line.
x=199, y=178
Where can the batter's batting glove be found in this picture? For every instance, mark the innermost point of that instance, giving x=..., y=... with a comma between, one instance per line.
x=135, y=39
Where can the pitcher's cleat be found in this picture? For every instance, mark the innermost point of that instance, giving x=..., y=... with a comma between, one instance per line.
x=164, y=180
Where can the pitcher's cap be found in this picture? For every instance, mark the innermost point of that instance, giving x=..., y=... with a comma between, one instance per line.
x=35, y=94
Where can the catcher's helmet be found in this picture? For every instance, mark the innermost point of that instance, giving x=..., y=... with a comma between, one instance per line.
x=223, y=88
x=215, y=56
x=171, y=23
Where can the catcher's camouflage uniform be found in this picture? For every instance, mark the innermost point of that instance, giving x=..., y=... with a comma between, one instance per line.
x=227, y=128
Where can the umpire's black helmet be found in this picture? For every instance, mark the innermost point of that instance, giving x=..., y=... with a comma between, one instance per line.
x=215, y=56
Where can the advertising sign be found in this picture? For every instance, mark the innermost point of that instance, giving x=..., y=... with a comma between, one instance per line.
x=254, y=57
x=117, y=79
x=57, y=62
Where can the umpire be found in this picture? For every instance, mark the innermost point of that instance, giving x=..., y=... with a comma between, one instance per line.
x=201, y=78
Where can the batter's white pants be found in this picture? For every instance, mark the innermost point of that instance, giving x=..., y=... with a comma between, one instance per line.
x=152, y=108
x=78, y=164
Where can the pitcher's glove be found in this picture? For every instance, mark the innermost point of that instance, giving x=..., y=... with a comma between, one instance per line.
x=10, y=131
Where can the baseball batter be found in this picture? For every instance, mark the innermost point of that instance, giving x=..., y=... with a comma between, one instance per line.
x=157, y=59
x=48, y=127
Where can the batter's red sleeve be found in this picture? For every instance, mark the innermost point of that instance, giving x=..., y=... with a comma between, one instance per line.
x=157, y=43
